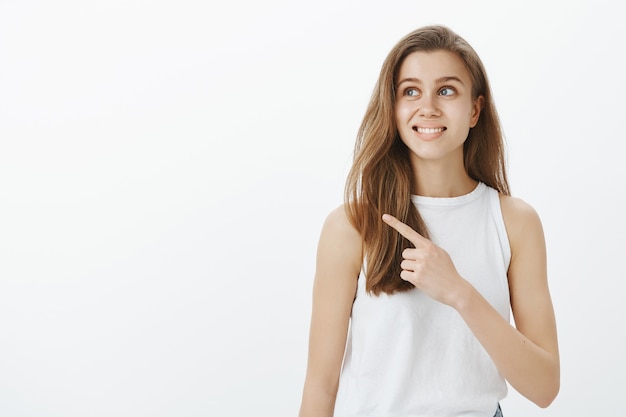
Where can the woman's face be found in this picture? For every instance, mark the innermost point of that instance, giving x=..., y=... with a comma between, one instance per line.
x=434, y=106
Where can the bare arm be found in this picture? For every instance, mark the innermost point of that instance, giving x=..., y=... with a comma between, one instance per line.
x=526, y=355
x=339, y=256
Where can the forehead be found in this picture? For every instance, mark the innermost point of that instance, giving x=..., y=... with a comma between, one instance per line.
x=432, y=65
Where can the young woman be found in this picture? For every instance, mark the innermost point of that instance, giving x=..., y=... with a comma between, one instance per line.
x=418, y=270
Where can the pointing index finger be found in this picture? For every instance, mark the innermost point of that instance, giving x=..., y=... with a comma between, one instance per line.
x=404, y=229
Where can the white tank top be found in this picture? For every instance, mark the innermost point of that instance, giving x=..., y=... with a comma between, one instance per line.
x=409, y=355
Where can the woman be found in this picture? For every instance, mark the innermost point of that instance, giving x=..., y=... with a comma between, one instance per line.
x=417, y=272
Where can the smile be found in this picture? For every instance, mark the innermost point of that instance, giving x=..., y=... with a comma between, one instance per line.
x=428, y=129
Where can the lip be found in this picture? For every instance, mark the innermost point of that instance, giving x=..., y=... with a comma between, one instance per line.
x=429, y=132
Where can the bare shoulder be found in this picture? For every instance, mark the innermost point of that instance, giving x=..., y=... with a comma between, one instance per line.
x=522, y=223
x=340, y=239
x=518, y=214
x=337, y=220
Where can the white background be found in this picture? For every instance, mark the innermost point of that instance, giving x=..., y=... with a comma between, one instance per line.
x=166, y=166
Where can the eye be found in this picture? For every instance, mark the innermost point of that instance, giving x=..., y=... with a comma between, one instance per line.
x=411, y=92
x=447, y=91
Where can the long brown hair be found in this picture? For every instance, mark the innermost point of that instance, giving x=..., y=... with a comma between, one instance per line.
x=381, y=178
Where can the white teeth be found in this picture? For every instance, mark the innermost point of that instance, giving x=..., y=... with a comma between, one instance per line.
x=429, y=129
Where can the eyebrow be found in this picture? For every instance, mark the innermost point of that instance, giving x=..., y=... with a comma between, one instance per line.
x=440, y=80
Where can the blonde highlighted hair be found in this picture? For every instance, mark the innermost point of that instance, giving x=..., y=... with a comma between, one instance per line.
x=381, y=178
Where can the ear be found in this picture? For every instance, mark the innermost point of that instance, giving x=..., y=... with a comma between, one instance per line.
x=477, y=106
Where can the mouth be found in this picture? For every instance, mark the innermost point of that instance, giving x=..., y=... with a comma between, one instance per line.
x=427, y=130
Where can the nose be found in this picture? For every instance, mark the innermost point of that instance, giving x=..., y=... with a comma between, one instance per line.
x=428, y=106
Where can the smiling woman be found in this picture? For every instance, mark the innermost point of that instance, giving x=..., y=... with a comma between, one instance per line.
x=166, y=166
x=418, y=270
x=435, y=106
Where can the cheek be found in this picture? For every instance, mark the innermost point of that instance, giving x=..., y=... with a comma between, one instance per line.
x=464, y=115
x=403, y=113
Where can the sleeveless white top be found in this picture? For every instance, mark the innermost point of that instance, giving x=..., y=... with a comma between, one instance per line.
x=408, y=355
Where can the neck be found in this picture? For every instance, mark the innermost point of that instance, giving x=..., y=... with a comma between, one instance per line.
x=434, y=179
